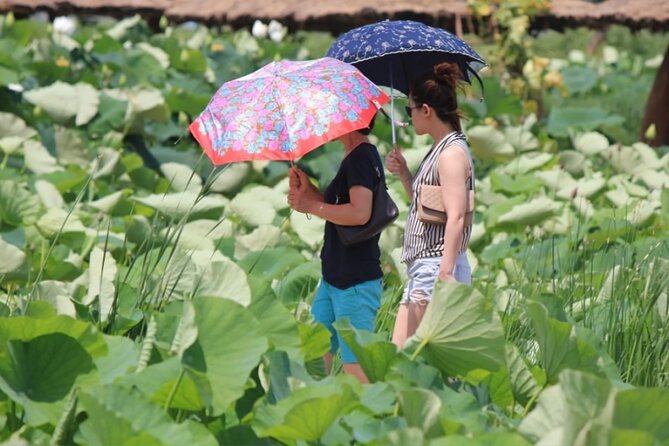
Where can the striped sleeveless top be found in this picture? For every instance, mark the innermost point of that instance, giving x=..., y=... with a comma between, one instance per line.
x=423, y=239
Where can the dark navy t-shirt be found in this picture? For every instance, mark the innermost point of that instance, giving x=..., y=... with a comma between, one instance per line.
x=344, y=266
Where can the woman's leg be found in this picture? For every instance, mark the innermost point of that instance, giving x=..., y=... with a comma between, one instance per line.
x=323, y=312
x=359, y=304
x=422, y=274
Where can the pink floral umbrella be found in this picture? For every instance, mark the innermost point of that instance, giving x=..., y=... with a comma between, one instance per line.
x=285, y=110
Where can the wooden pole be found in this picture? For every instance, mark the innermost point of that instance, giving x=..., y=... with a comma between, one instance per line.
x=657, y=107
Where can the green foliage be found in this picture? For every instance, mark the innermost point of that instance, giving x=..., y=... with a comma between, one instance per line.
x=148, y=298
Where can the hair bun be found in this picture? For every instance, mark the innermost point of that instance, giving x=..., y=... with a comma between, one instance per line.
x=447, y=73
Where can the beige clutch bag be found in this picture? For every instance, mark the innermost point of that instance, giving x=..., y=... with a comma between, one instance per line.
x=431, y=206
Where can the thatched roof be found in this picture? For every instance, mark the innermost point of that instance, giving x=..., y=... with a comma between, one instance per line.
x=635, y=14
x=340, y=15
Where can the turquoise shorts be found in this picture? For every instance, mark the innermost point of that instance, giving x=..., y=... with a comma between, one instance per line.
x=359, y=303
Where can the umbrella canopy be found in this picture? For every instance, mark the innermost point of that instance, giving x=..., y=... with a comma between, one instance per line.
x=393, y=53
x=285, y=109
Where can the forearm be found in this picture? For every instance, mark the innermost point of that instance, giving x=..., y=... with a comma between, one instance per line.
x=452, y=242
x=340, y=214
x=407, y=182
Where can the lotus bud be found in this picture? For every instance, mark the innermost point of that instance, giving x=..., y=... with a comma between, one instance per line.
x=651, y=132
x=276, y=31
x=122, y=79
x=184, y=56
x=9, y=19
x=163, y=22
x=37, y=111
x=259, y=30
x=64, y=25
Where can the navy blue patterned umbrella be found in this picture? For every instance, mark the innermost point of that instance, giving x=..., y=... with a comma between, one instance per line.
x=392, y=53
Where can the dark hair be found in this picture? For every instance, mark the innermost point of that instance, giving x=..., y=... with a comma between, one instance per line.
x=438, y=89
x=367, y=130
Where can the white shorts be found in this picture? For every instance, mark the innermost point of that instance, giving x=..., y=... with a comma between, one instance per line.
x=423, y=274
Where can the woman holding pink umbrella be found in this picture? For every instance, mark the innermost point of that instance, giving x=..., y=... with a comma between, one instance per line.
x=351, y=285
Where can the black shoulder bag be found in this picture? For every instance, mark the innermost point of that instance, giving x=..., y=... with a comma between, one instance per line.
x=384, y=212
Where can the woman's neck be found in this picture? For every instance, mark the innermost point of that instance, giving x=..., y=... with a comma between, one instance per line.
x=353, y=141
x=441, y=130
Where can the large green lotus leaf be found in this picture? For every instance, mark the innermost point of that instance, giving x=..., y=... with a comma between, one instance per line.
x=562, y=346
x=315, y=341
x=181, y=177
x=111, y=117
x=299, y=283
x=307, y=414
x=157, y=53
x=64, y=101
x=228, y=348
x=101, y=278
x=498, y=438
x=285, y=376
x=579, y=78
x=186, y=389
x=261, y=238
x=117, y=415
x=107, y=203
x=366, y=428
x=40, y=373
x=59, y=222
x=122, y=357
x=142, y=102
x=374, y=352
x=104, y=163
x=178, y=205
x=574, y=162
x=630, y=160
x=584, y=409
x=654, y=179
x=38, y=159
x=8, y=76
x=502, y=207
x=230, y=177
x=402, y=437
x=562, y=120
x=70, y=148
x=527, y=162
x=514, y=185
x=187, y=273
x=277, y=324
x=490, y=144
x=273, y=263
x=590, y=143
x=18, y=207
x=623, y=182
x=58, y=295
x=11, y=258
x=586, y=187
x=556, y=178
x=420, y=408
x=201, y=234
x=119, y=30
x=310, y=230
x=529, y=213
x=253, y=207
x=10, y=144
x=523, y=140
x=461, y=331
x=12, y=125
x=523, y=383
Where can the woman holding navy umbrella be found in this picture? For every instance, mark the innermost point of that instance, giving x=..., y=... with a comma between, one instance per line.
x=434, y=251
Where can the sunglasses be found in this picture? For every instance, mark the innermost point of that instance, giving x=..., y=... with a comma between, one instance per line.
x=408, y=109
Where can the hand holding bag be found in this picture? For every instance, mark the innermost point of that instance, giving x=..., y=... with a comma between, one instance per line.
x=431, y=206
x=384, y=212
